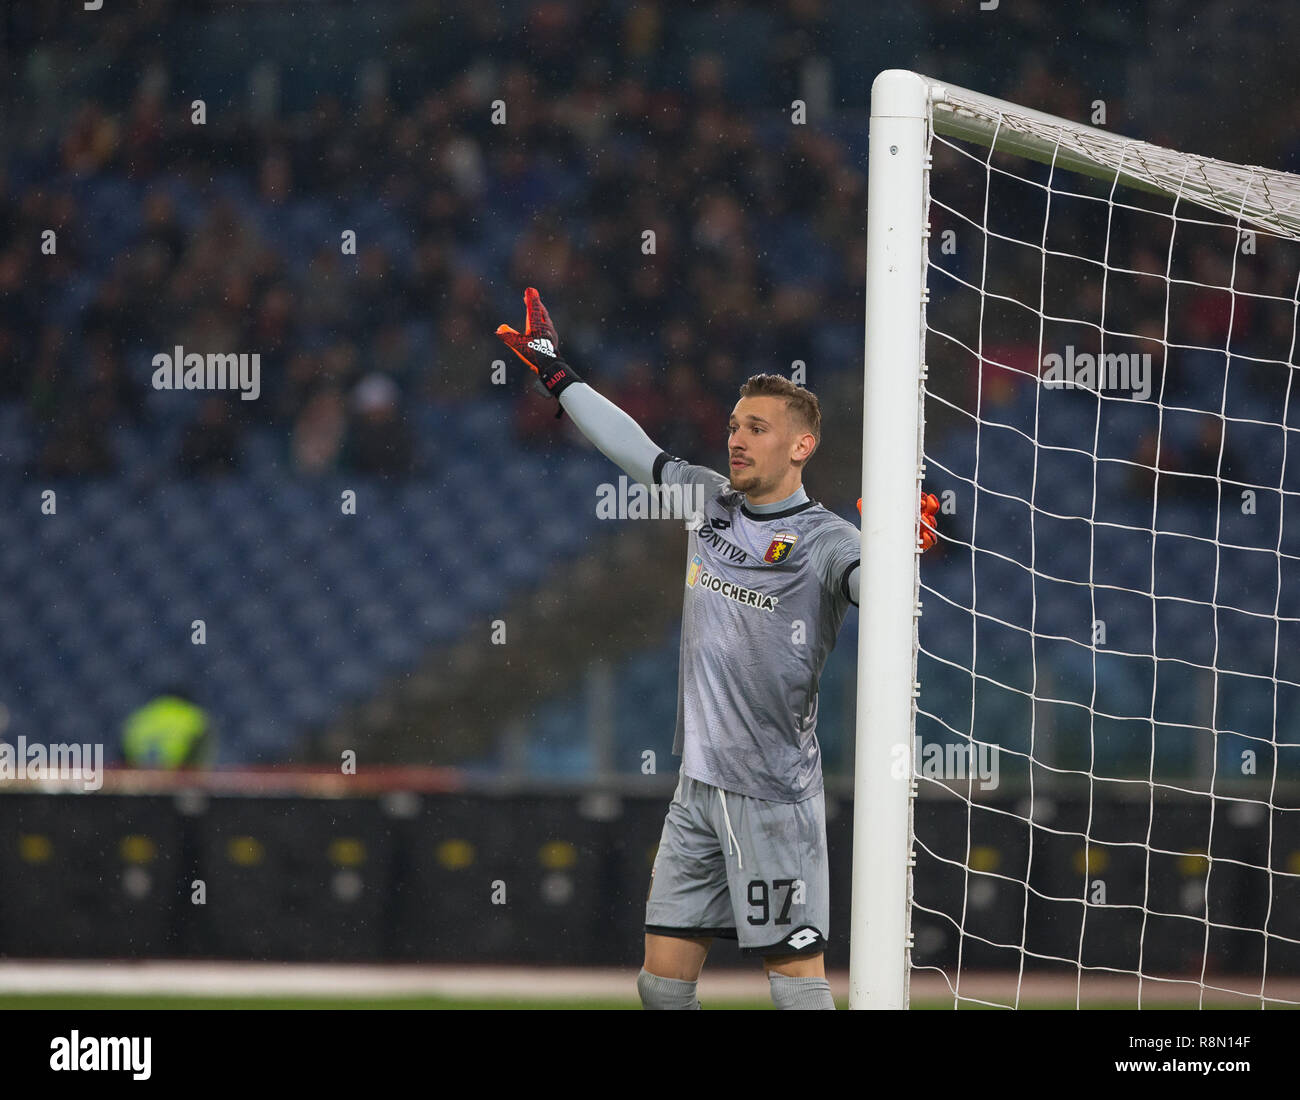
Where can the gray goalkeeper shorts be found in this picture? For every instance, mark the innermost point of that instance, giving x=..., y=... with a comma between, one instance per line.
x=742, y=868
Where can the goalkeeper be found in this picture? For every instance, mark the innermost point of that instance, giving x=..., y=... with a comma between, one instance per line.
x=770, y=575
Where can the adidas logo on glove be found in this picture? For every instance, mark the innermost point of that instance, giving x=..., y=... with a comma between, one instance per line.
x=537, y=347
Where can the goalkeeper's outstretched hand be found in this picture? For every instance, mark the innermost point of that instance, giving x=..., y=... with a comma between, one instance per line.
x=929, y=525
x=539, y=348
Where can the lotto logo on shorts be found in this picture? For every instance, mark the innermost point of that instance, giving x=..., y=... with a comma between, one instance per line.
x=804, y=937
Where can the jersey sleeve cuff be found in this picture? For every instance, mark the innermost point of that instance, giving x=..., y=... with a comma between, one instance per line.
x=661, y=461
x=844, y=582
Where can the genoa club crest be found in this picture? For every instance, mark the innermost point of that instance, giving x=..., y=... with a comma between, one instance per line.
x=779, y=549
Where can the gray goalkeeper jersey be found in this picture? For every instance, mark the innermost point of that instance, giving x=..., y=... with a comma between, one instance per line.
x=766, y=595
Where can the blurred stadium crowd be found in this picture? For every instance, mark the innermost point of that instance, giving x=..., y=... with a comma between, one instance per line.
x=376, y=367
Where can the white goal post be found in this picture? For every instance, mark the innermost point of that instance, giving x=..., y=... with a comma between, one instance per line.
x=1221, y=201
x=887, y=589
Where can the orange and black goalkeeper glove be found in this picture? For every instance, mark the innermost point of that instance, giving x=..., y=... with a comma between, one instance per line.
x=538, y=347
x=929, y=533
x=929, y=525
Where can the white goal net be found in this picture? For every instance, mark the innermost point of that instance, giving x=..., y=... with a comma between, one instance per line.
x=1106, y=738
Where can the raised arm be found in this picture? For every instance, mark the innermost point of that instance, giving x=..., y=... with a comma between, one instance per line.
x=615, y=434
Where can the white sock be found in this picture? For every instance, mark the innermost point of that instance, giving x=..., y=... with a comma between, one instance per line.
x=665, y=993
x=790, y=992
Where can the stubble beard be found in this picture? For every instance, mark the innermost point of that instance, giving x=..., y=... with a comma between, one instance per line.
x=745, y=481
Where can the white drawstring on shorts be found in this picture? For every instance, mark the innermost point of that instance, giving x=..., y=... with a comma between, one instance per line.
x=740, y=863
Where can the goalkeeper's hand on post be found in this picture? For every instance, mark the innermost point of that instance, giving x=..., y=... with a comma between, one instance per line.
x=539, y=348
x=929, y=533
